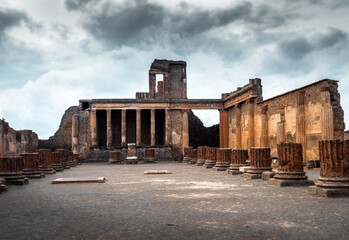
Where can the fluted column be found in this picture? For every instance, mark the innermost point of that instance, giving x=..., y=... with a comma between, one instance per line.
x=238, y=126
x=138, y=127
x=152, y=127
x=109, y=133
x=186, y=154
x=251, y=106
x=75, y=133
x=260, y=162
x=223, y=159
x=193, y=156
x=93, y=127
x=264, y=126
x=123, y=127
x=167, y=127
x=185, y=130
x=211, y=157
x=326, y=115
x=300, y=124
x=201, y=155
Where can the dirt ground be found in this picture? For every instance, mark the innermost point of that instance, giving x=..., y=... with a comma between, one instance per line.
x=191, y=203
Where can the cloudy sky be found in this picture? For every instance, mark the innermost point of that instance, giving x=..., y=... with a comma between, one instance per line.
x=53, y=53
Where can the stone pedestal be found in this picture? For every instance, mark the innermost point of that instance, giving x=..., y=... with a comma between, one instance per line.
x=290, y=166
x=201, y=156
x=31, y=165
x=223, y=159
x=76, y=159
x=260, y=162
x=186, y=154
x=131, y=154
x=193, y=156
x=11, y=169
x=238, y=159
x=46, y=160
x=334, y=174
x=114, y=157
x=149, y=155
x=62, y=156
x=211, y=157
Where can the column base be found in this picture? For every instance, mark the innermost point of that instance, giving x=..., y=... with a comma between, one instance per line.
x=15, y=178
x=233, y=172
x=290, y=175
x=58, y=167
x=268, y=175
x=131, y=160
x=209, y=163
x=289, y=182
x=186, y=160
x=192, y=161
x=221, y=166
x=328, y=192
x=251, y=176
x=47, y=170
x=200, y=162
x=252, y=170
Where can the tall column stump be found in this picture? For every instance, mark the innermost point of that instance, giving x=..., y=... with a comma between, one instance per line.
x=211, y=157
x=334, y=173
x=260, y=162
x=201, y=155
x=238, y=159
x=186, y=155
x=193, y=156
x=223, y=159
x=290, y=166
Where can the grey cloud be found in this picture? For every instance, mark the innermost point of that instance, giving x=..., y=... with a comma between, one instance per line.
x=10, y=18
x=295, y=48
x=332, y=38
x=74, y=5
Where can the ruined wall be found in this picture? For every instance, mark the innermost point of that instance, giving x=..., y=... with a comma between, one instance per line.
x=305, y=115
x=13, y=143
x=62, y=139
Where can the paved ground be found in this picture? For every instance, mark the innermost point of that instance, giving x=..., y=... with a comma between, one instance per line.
x=191, y=203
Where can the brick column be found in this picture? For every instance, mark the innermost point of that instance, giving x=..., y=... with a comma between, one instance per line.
x=238, y=159
x=260, y=162
x=193, y=156
x=93, y=127
x=238, y=126
x=251, y=106
x=138, y=127
x=290, y=166
x=223, y=159
x=300, y=124
x=186, y=154
x=201, y=155
x=75, y=133
x=167, y=127
x=109, y=133
x=123, y=127
x=327, y=127
x=152, y=127
x=334, y=174
x=149, y=155
x=264, y=126
x=185, y=130
x=211, y=157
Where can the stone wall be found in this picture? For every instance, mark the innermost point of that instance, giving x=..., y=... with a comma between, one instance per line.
x=13, y=143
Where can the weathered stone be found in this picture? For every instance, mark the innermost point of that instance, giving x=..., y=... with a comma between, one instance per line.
x=223, y=159
x=193, y=156
x=11, y=169
x=260, y=162
x=46, y=160
x=149, y=155
x=238, y=159
x=334, y=174
x=131, y=154
x=211, y=157
x=186, y=154
x=201, y=151
x=114, y=157
x=32, y=165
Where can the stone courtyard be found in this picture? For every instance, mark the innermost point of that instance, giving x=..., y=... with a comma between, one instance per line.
x=191, y=203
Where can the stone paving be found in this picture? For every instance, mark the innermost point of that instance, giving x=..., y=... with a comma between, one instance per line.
x=191, y=203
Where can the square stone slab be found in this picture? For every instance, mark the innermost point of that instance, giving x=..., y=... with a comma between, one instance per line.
x=157, y=172
x=79, y=180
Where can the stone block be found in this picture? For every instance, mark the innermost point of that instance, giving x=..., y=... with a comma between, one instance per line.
x=268, y=175
x=289, y=182
x=248, y=176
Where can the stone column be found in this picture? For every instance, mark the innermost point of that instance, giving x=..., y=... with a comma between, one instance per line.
x=114, y=157
x=93, y=127
x=167, y=127
x=152, y=127
x=334, y=174
x=138, y=127
x=201, y=155
x=264, y=126
x=152, y=85
x=211, y=157
x=75, y=133
x=251, y=106
x=109, y=133
x=260, y=162
x=230, y=134
x=290, y=166
x=193, y=156
x=300, y=123
x=238, y=126
x=326, y=115
x=185, y=130
x=223, y=159
x=186, y=154
x=238, y=159
x=149, y=155
x=123, y=127
x=280, y=135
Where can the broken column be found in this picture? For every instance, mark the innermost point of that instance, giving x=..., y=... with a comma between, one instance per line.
x=201, y=156
x=186, y=155
x=334, y=174
x=131, y=154
x=11, y=169
x=290, y=166
x=46, y=160
x=31, y=165
x=149, y=155
x=238, y=159
x=114, y=157
x=62, y=154
x=260, y=162
x=223, y=159
x=211, y=157
x=193, y=156
x=56, y=162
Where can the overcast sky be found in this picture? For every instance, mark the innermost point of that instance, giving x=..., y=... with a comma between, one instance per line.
x=53, y=53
